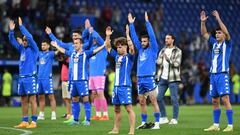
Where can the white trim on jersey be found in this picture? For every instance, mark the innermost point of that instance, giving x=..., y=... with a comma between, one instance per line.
x=75, y=68
x=125, y=79
x=214, y=61
x=83, y=71
x=117, y=75
x=224, y=57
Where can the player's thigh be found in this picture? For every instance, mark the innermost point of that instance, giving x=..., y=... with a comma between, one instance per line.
x=223, y=84
x=30, y=85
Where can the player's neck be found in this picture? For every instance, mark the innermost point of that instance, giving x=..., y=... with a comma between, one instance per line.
x=170, y=46
x=80, y=50
x=220, y=42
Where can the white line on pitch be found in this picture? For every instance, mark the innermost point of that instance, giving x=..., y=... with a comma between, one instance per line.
x=26, y=132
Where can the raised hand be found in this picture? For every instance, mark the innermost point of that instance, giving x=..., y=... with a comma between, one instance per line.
x=48, y=30
x=109, y=31
x=203, y=16
x=130, y=18
x=19, y=21
x=87, y=24
x=90, y=30
x=54, y=43
x=146, y=16
x=11, y=25
x=216, y=14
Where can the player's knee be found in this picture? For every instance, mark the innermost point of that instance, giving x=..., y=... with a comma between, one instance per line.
x=117, y=110
x=142, y=102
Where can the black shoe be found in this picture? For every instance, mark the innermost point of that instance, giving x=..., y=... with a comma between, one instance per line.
x=64, y=116
x=142, y=126
x=150, y=125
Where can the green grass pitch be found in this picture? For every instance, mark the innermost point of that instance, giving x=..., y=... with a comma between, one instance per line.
x=192, y=121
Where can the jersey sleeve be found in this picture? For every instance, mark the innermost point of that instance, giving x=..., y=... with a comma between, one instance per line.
x=29, y=37
x=68, y=53
x=152, y=37
x=113, y=53
x=211, y=40
x=89, y=53
x=13, y=41
x=134, y=36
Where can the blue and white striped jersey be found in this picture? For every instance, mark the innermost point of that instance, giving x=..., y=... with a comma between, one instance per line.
x=80, y=61
x=220, y=55
x=123, y=68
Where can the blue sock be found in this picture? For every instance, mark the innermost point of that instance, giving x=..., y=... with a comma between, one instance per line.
x=87, y=108
x=34, y=118
x=216, y=115
x=157, y=116
x=75, y=110
x=229, y=114
x=25, y=118
x=144, y=117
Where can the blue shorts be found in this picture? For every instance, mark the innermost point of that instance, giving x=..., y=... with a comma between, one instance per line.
x=45, y=86
x=219, y=84
x=146, y=84
x=79, y=88
x=27, y=86
x=122, y=95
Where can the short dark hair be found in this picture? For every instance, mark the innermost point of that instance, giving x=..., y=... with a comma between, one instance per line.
x=144, y=36
x=218, y=29
x=46, y=41
x=120, y=40
x=18, y=34
x=170, y=34
x=80, y=39
x=77, y=30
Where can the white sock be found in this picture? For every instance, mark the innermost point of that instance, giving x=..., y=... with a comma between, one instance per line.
x=41, y=113
x=53, y=113
x=230, y=125
x=105, y=113
x=216, y=124
x=98, y=114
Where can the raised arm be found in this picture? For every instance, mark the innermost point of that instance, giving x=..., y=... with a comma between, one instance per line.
x=203, y=19
x=129, y=41
x=221, y=24
x=108, y=40
x=29, y=36
x=98, y=38
x=133, y=33
x=152, y=37
x=60, y=49
x=11, y=37
x=85, y=32
x=59, y=42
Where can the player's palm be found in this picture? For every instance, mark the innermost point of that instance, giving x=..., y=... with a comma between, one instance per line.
x=130, y=18
x=203, y=16
x=48, y=30
x=11, y=25
x=109, y=31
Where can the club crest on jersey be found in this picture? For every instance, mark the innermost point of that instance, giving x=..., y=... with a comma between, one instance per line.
x=23, y=57
x=76, y=59
x=119, y=61
x=217, y=50
x=143, y=57
x=42, y=61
